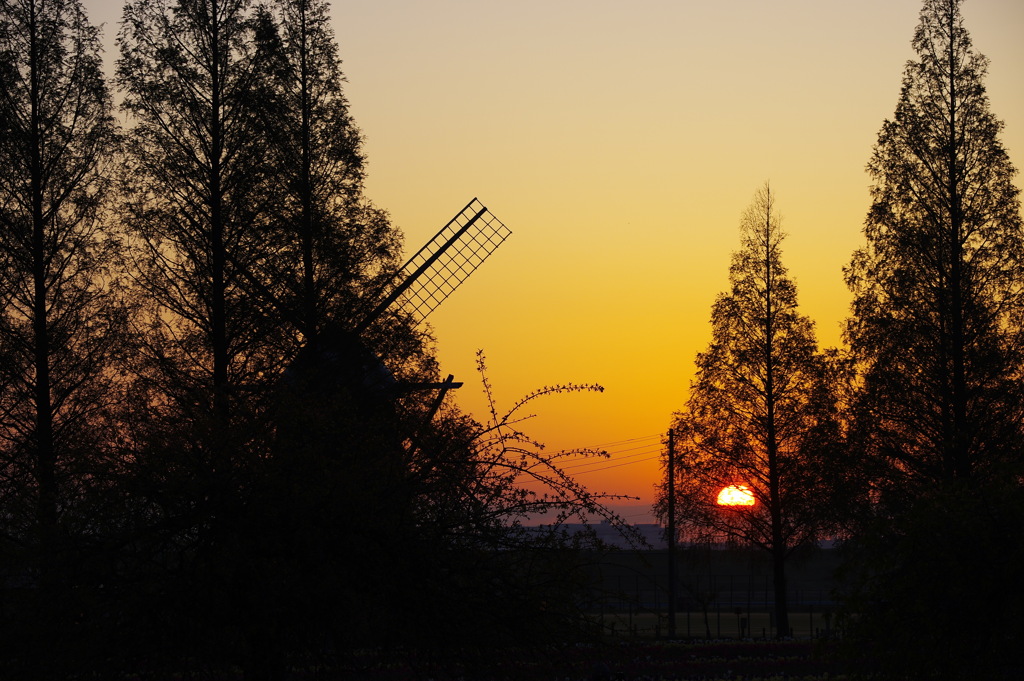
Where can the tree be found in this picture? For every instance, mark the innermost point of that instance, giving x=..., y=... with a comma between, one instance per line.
x=931, y=593
x=440, y=488
x=253, y=239
x=935, y=333
x=60, y=325
x=334, y=250
x=198, y=199
x=196, y=206
x=335, y=483
x=761, y=414
x=334, y=242
x=937, y=289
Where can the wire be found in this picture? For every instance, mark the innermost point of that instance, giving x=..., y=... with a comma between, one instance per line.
x=618, y=465
x=630, y=449
x=613, y=461
x=602, y=461
x=627, y=441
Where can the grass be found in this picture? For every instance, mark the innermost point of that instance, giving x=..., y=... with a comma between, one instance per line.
x=793, y=660
x=724, y=624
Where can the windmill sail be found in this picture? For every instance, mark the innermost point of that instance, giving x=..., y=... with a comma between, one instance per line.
x=339, y=355
x=440, y=267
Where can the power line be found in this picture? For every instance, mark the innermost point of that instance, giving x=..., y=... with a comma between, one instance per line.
x=640, y=446
x=630, y=449
x=626, y=441
x=647, y=450
x=617, y=465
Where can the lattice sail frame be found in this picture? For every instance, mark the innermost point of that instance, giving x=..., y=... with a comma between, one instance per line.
x=443, y=263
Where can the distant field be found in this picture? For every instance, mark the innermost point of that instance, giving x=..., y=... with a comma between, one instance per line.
x=631, y=661
x=734, y=585
x=724, y=624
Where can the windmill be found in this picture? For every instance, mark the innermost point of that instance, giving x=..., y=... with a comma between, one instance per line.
x=340, y=358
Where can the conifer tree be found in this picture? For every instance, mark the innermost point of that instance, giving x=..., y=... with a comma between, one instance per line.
x=938, y=287
x=195, y=197
x=760, y=414
x=60, y=327
x=334, y=241
x=339, y=460
x=198, y=193
x=935, y=333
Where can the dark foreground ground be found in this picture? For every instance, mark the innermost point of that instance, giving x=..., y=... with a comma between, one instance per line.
x=650, y=661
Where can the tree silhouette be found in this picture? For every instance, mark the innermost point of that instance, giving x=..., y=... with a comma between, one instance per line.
x=285, y=483
x=198, y=196
x=937, y=289
x=333, y=249
x=335, y=487
x=761, y=413
x=476, y=486
x=935, y=334
x=334, y=242
x=200, y=469
x=195, y=199
x=61, y=328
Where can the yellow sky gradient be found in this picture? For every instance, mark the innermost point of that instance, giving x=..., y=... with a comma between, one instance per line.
x=620, y=141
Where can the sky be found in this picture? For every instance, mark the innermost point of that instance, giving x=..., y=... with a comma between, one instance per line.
x=620, y=142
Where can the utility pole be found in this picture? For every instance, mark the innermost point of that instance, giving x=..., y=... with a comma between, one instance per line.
x=671, y=474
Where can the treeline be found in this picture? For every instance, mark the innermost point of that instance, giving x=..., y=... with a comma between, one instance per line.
x=204, y=463
x=908, y=445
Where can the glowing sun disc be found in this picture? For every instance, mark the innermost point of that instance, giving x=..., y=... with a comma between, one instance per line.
x=735, y=495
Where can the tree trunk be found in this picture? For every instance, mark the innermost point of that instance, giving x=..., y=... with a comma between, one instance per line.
x=779, y=582
x=46, y=455
x=218, y=249
x=774, y=481
x=307, y=222
x=958, y=463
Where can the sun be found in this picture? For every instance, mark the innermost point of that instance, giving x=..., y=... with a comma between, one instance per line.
x=735, y=495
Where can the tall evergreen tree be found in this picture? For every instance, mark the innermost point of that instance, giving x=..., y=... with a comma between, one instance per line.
x=253, y=240
x=198, y=194
x=760, y=413
x=60, y=328
x=938, y=288
x=936, y=336
x=196, y=200
x=334, y=249
x=335, y=241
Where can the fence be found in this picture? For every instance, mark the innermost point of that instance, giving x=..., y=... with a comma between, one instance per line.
x=720, y=593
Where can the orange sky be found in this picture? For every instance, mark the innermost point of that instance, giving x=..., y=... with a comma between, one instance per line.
x=620, y=141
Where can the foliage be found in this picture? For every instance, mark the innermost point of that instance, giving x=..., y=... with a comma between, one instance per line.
x=931, y=593
x=510, y=459
x=252, y=477
x=938, y=288
x=936, y=339
x=475, y=486
x=335, y=246
x=61, y=325
x=761, y=411
x=196, y=205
